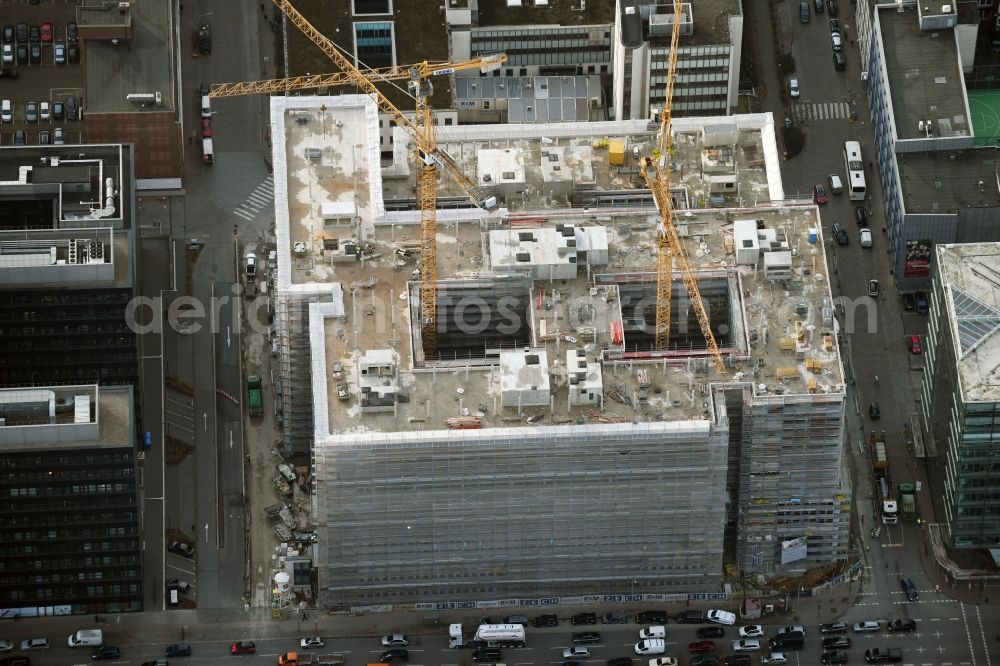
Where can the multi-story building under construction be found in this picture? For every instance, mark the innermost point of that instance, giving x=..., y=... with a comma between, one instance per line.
x=541, y=444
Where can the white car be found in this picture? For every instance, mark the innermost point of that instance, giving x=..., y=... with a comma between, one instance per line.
x=6, y=646
x=793, y=88
x=746, y=645
x=651, y=646
x=721, y=617
x=866, y=237
x=656, y=631
x=752, y=631
x=663, y=661
x=774, y=658
x=8, y=54
x=395, y=640
x=43, y=111
x=311, y=642
x=866, y=626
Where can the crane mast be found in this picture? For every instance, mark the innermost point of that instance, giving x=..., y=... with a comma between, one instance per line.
x=669, y=245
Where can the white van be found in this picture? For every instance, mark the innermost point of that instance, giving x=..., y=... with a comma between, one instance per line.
x=86, y=638
x=207, y=152
x=173, y=599
x=206, y=106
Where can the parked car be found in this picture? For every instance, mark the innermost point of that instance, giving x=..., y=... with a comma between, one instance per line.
x=655, y=631
x=584, y=618
x=833, y=628
x=866, y=626
x=71, y=35
x=15, y=661
x=873, y=288
x=8, y=54
x=8, y=34
x=32, y=644
x=740, y=659
x=746, y=645
x=57, y=137
x=701, y=647
x=705, y=659
x=31, y=112
x=314, y=642
x=905, y=624
x=752, y=631
x=660, y=661
x=920, y=298
x=243, y=647
x=105, y=652
x=44, y=113
x=34, y=34
x=774, y=658
x=46, y=31
x=58, y=110
x=840, y=234
x=819, y=194
x=865, y=236
x=22, y=32
x=6, y=646
x=36, y=54
x=60, y=53
x=45, y=138
x=615, y=617
x=793, y=88
x=711, y=632
x=874, y=413
x=838, y=44
x=835, y=657
x=831, y=6
x=548, y=620
x=836, y=642
x=913, y=344
x=804, y=12
x=586, y=638
x=179, y=650
x=910, y=589
x=861, y=216
x=394, y=654
x=22, y=54
x=721, y=617
x=689, y=617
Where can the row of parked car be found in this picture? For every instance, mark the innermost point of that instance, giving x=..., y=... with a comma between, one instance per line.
x=55, y=137
x=35, y=112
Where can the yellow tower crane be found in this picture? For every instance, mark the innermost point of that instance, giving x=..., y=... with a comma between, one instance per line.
x=421, y=130
x=670, y=246
x=422, y=70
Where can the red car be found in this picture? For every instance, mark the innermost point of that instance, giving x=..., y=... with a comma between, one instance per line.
x=46, y=31
x=701, y=647
x=243, y=647
x=206, y=128
x=819, y=194
x=913, y=342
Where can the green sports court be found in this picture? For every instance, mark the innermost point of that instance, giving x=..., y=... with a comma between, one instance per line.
x=984, y=105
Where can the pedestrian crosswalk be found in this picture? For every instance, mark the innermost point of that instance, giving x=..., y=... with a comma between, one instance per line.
x=260, y=198
x=822, y=111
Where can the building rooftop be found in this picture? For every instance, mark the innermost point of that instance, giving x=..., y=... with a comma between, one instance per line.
x=705, y=22
x=545, y=310
x=924, y=75
x=61, y=417
x=946, y=181
x=969, y=276
x=67, y=217
x=550, y=12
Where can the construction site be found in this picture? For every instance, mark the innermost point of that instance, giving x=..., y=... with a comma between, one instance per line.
x=549, y=359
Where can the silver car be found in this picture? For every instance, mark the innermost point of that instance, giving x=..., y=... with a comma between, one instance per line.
x=866, y=626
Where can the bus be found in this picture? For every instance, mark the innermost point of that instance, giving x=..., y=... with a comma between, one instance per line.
x=855, y=170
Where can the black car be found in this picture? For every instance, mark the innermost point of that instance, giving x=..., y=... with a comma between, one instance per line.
x=34, y=34
x=831, y=6
x=36, y=54
x=586, y=638
x=71, y=35
x=785, y=643
x=835, y=642
x=620, y=661
x=839, y=61
x=8, y=73
x=615, y=617
x=861, y=216
x=73, y=52
x=706, y=659
x=833, y=628
x=584, y=618
x=483, y=654
x=22, y=32
x=690, y=617
x=737, y=660
x=22, y=54
x=15, y=661
x=179, y=650
x=910, y=589
x=840, y=234
x=546, y=621
x=920, y=299
x=398, y=654
x=819, y=6
x=902, y=624
x=874, y=413
x=651, y=617
x=8, y=34
x=834, y=25
x=711, y=632
x=180, y=548
x=106, y=652
x=835, y=657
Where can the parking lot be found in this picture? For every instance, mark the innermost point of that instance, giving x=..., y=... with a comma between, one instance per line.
x=34, y=38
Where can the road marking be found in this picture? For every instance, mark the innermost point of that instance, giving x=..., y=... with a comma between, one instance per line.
x=822, y=111
x=245, y=216
x=258, y=199
x=230, y=439
x=986, y=648
x=968, y=636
